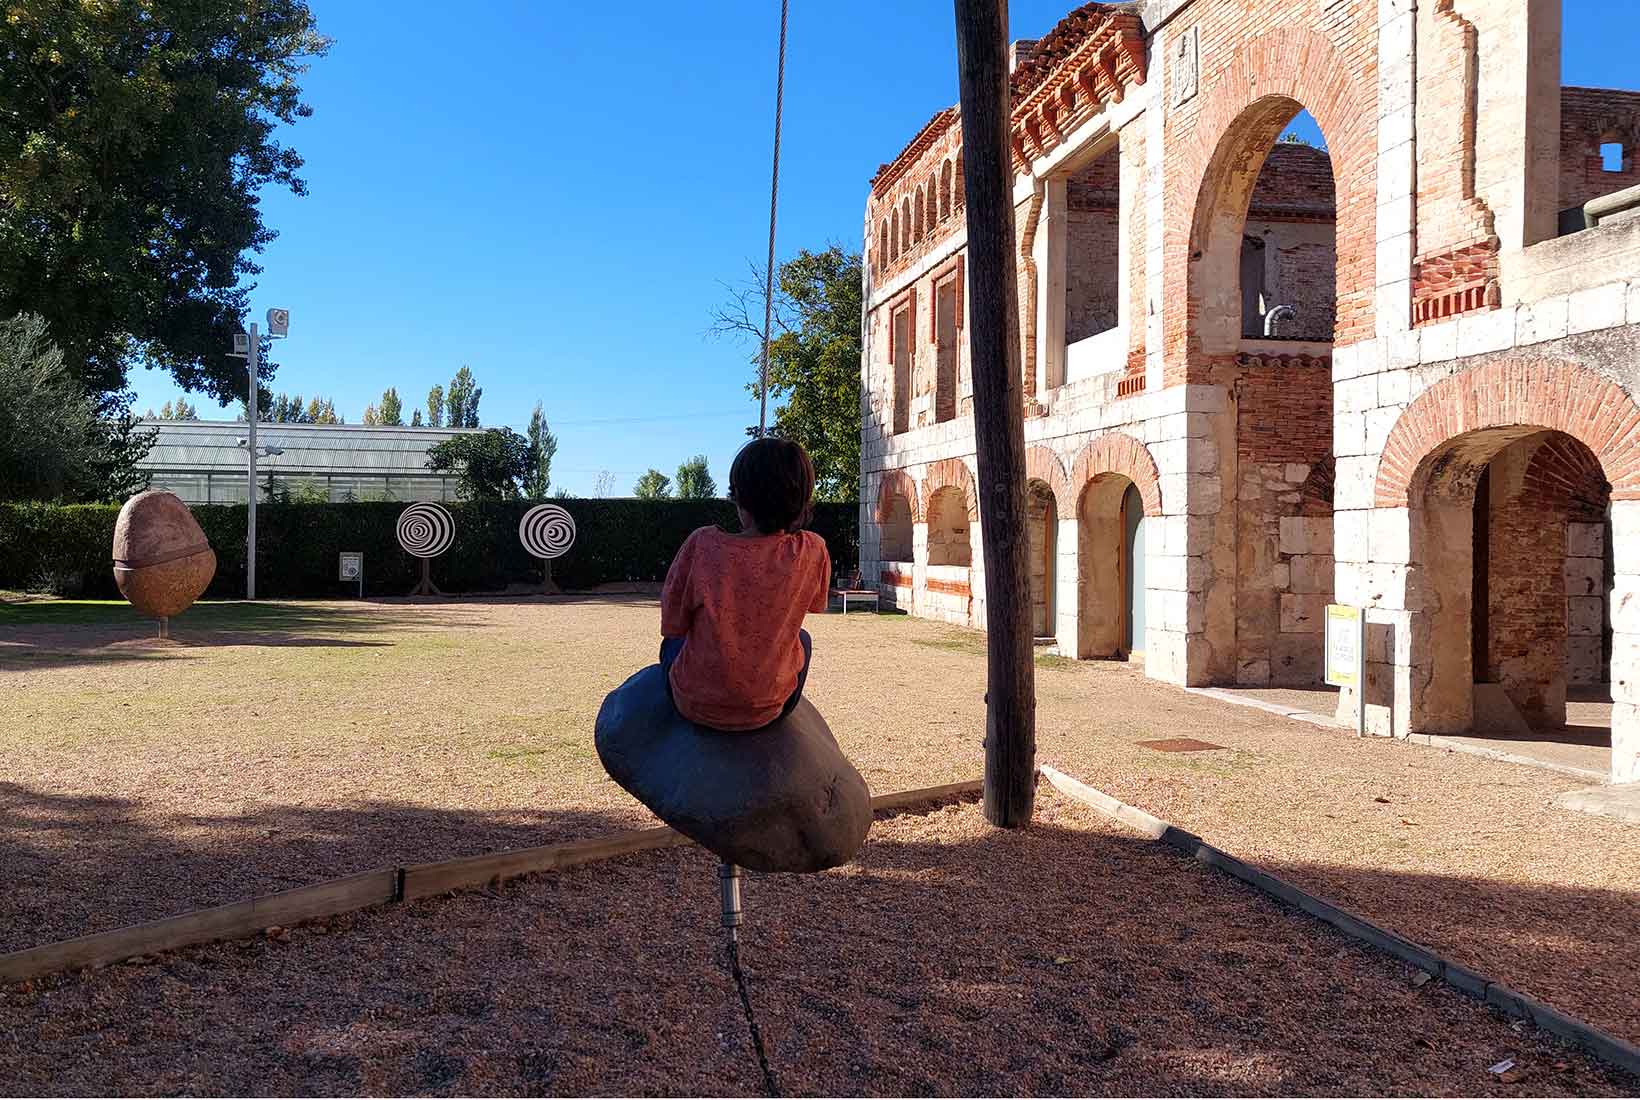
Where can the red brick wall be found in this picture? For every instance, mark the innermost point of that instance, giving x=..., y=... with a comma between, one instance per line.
x=1260, y=62
x=1295, y=184
x=1284, y=413
x=1589, y=117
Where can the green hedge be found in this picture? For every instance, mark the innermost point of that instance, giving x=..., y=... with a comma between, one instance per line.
x=66, y=548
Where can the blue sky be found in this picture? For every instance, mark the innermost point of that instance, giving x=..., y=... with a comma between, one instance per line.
x=553, y=193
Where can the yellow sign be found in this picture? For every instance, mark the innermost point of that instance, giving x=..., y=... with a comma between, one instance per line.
x=1345, y=645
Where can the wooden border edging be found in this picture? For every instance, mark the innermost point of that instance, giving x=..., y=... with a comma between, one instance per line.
x=1607, y=1047
x=383, y=886
x=324, y=899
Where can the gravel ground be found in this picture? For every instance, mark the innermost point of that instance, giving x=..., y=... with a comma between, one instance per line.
x=320, y=739
x=950, y=958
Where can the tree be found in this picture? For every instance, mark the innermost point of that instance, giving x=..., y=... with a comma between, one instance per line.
x=543, y=445
x=491, y=464
x=391, y=412
x=814, y=359
x=653, y=485
x=435, y=407
x=57, y=441
x=136, y=141
x=415, y=418
x=695, y=481
x=371, y=417
x=461, y=402
x=321, y=410
x=603, y=485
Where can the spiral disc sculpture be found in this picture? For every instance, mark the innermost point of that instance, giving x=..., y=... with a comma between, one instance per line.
x=547, y=531
x=425, y=530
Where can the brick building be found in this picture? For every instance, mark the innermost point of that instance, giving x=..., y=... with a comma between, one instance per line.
x=1259, y=377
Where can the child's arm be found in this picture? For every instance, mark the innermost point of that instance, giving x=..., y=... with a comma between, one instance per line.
x=677, y=606
x=822, y=587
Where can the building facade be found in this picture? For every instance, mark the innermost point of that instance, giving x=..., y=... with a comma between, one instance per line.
x=203, y=461
x=1399, y=372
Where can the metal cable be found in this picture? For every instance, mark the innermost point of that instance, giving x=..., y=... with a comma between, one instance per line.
x=774, y=198
x=751, y=1021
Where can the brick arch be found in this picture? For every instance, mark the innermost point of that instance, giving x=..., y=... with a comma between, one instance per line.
x=1250, y=99
x=943, y=474
x=1514, y=393
x=896, y=483
x=1114, y=453
x=1043, y=465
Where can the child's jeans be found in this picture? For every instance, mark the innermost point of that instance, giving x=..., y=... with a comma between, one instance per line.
x=670, y=647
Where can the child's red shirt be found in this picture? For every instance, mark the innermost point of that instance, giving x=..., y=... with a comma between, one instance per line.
x=739, y=603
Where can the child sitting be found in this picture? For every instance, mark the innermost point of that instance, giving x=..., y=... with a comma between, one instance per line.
x=732, y=609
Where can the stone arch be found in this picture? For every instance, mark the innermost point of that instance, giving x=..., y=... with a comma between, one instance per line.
x=948, y=472
x=1261, y=87
x=1513, y=393
x=883, y=256
x=1041, y=464
x=893, y=237
x=917, y=206
x=1114, y=453
x=905, y=224
x=896, y=483
x=945, y=190
x=959, y=197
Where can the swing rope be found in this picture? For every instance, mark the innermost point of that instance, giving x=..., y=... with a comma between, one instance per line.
x=774, y=199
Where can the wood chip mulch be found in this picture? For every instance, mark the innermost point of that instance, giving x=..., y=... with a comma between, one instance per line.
x=950, y=958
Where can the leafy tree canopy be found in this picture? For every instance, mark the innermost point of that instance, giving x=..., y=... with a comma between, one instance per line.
x=415, y=418
x=461, y=402
x=136, y=139
x=653, y=485
x=543, y=445
x=814, y=359
x=57, y=442
x=695, y=481
x=435, y=407
x=391, y=412
x=491, y=465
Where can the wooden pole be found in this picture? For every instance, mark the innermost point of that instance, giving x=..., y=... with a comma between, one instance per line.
x=999, y=431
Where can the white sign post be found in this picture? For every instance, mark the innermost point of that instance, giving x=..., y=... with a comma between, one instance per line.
x=351, y=568
x=1347, y=656
x=248, y=346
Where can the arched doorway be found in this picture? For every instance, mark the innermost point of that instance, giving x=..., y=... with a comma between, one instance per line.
x=1510, y=526
x=948, y=541
x=1042, y=534
x=896, y=524
x=1110, y=569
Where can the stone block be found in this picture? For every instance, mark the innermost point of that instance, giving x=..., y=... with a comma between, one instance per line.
x=1401, y=350
x=1585, y=540
x=1584, y=576
x=1295, y=535
x=1634, y=303
x=1303, y=614
x=1597, y=308
x=1625, y=744
x=1311, y=574
x=1585, y=660
x=1296, y=660
x=1542, y=320
x=1352, y=535
x=1379, y=423
x=1486, y=331
x=1394, y=387
x=1167, y=571
x=1355, y=394
x=1295, y=473
x=1625, y=525
x=1389, y=533
x=1350, y=433
x=1252, y=670
x=1439, y=342
x=1355, y=481
x=1585, y=615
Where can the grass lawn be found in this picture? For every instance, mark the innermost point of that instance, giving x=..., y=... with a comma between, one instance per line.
x=276, y=744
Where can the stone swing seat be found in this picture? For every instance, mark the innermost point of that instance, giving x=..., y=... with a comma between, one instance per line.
x=782, y=798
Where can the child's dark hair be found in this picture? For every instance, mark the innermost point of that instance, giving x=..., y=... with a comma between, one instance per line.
x=773, y=479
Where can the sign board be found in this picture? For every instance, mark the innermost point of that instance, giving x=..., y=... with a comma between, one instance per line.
x=352, y=565
x=1343, y=646
x=1346, y=656
x=278, y=322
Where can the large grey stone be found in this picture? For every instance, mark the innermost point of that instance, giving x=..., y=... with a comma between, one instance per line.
x=783, y=798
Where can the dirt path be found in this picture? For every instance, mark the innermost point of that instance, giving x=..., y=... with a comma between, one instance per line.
x=322, y=739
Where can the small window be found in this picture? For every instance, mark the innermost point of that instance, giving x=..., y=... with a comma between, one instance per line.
x=1611, y=156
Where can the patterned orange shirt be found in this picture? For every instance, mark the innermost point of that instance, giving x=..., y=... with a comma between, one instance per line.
x=739, y=602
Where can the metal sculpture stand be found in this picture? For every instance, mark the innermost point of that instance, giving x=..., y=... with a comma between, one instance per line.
x=549, y=587
x=164, y=626
x=729, y=893
x=426, y=587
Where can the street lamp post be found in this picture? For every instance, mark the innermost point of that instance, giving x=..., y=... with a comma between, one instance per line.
x=278, y=325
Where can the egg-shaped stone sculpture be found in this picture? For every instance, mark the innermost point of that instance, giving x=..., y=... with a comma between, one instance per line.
x=783, y=798
x=162, y=561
